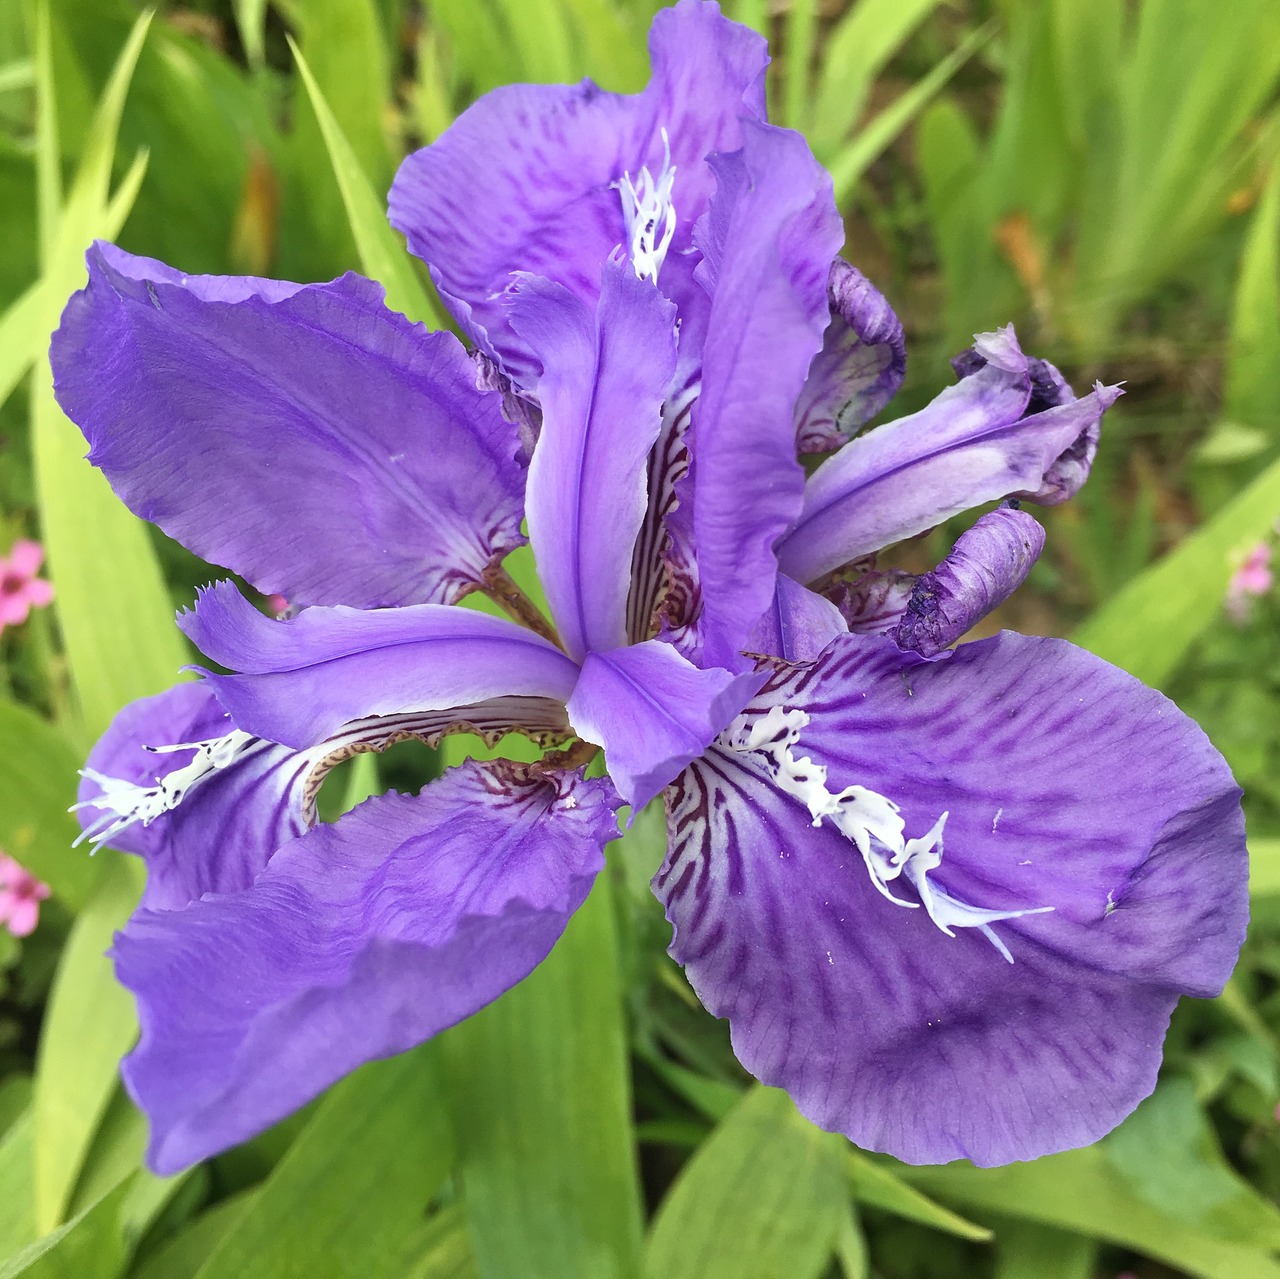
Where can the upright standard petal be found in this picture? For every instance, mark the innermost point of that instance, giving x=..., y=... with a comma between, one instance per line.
x=528, y=178
x=359, y=940
x=860, y=367
x=304, y=436
x=601, y=384
x=767, y=244
x=973, y=444
x=653, y=711
x=929, y=1005
x=298, y=681
x=217, y=835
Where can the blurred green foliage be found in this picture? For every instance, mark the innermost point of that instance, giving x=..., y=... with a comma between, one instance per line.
x=1105, y=173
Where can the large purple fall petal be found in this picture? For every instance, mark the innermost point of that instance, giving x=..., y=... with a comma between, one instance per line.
x=357, y=941
x=653, y=711
x=526, y=179
x=1068, y=785
x=226, y=829
x=860, y=367
x=304, y=436
x=601, y=386
x=767, y=244
x=973, y=444
x=987, y=564
x=298, y=681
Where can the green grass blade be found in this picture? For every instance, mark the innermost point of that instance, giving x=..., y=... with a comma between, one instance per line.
x=875, y=1183
x=20, y=337
x=1149, y=624
x=382, y=252
x=355, y=1183
x=848, y=166
x=800, y=36
x=855, y=52
x=1252, y=394
x=38, y=780
x=17, y=1201
x=764, y=1195
x=542, y=1113
x=88, y=1027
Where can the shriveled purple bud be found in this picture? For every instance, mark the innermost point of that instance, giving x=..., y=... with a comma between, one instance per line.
x=860, y=367
x=985, y=567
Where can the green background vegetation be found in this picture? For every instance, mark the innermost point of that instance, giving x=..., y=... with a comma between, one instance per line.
x=1102, y=173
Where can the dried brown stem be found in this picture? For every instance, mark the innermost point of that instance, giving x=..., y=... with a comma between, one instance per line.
x=499, y=586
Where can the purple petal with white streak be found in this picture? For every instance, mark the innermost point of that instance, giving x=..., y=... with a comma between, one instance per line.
x=526, y=178
x=359, y=940
x=305, y=436
x=224, y=832
x=299, y=680
x=973, y=444
x=860, y=367
x=987, y=564
x=1068, y=785
x=653, y=711
x=601, y=387
x=767, y=243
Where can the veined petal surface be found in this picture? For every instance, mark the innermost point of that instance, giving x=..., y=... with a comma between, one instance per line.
x=860, y=367
x=767, y=243
x=226, y=829
x=603, y=379
x=527, y=179
x=1067, y=784
x=358, y=940
x=305, y=436
x=973, y=444
x=297, y=681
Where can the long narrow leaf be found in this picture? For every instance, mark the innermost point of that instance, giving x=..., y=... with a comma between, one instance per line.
x=1148, y=626
x=382, y=252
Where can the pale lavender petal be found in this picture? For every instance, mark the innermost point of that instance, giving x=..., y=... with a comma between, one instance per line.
x=860, y=367
x=768, y=240
x=357, y=941
x=653, y=711
x=305, y=436
x=526, y=179
x=987, y=564
x=601, y=384
x=1067, y=784
x=224, y=832
x=973, y=444
x=299, y=680
x=798, y=625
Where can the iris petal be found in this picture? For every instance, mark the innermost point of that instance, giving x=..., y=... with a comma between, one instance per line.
x=304, y=436
x=357, y=941
x=1067, y=784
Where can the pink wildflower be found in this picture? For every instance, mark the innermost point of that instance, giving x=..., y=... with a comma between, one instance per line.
x=20, y=589
x=20, y=896
x=1253, y=578
x=277, y=605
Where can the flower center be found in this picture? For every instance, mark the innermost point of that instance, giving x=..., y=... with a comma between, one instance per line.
x=870, y=820
x=649, y=214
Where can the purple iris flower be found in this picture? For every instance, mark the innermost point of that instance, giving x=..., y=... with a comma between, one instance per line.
x=660, y=327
